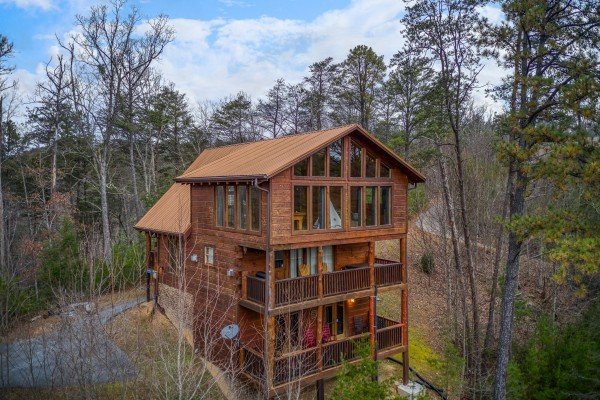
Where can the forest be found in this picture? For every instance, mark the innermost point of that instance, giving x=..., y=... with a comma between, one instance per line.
x=512, y=194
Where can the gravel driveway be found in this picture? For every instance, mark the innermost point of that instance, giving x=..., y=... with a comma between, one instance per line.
x=79, y=352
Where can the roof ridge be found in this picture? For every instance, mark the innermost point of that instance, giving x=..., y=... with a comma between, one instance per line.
x=282, y=137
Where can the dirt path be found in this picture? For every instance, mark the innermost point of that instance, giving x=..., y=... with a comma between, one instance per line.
x=77, y=352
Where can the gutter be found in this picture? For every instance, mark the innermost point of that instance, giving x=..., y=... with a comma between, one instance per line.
x=267, y=280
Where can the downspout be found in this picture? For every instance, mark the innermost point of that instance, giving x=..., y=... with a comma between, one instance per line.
x=267, y=278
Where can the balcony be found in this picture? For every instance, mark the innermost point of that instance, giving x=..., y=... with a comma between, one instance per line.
x=323, y=360
x=353, y=280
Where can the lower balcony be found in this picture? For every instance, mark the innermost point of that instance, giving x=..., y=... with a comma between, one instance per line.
x=351, y=280
x=321, y=361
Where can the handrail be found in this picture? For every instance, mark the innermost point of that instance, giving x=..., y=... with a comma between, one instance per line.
x=347, y=280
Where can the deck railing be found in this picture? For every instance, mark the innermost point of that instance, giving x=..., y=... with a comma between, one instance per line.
x=390, y=336
x=336, y=351
x=255, y=289
x=345, y=281
x=293, y=290
x=304, y=288
x=292, y=366
x=253, y=364
x=387, y=273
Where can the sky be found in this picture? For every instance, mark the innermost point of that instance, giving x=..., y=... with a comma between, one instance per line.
x=224, y=46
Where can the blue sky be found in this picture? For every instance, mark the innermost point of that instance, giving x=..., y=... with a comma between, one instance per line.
x=223, y=46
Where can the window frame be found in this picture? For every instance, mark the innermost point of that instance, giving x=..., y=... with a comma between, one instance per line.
x=209, y=249
x=363, y=185
x=309, y=207
x=237, y=226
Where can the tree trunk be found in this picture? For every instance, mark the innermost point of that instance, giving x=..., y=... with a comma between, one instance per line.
x=517, y=204
x=54, y=157
x=136, y=197
x=102, y=177
x=455, y=249
x=3, y=249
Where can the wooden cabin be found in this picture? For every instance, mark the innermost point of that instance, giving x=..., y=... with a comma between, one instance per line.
x=277, y=237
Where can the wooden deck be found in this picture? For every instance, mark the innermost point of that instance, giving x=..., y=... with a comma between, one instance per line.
x=305, y=365
x=346, y=282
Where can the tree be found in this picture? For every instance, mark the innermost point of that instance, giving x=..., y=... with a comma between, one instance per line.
x=6, y=52
x=553, y=84
x=355, y=381
x=107, y=52
x=234, y=120
x=362, y=74
x=410, y=81
x=319, y=86
x=271, y=110
x=446, y=30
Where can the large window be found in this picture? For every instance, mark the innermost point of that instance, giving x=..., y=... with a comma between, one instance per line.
x=242, y=207
x=318, y=207
x=318, y=163
x=335, y=207
x=384, y=171
x=370, y=206
x=355, y=160
x=371, y=166
x=301, y=168
x=385, y=205
x=220, y=205
x=237, y=207
x=355, y=206
x=255, y=209
x=300, y=208
x=231, y=206
x=335, y=159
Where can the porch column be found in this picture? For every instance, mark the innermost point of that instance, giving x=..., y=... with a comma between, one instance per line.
x=270, y=355
x=320, y=309
x=404, y=310
x=271, y=280
x=372, y=303
x=148, y=250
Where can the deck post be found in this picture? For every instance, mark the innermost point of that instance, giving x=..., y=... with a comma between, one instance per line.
x=320, y=311
x=372, y=305
x=270, y=353
x=404, y=310
x=148, y=250
x=244, y=285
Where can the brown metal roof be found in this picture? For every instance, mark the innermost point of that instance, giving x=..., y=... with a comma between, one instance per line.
x=246, y=161
x=266, y=158
x=170, y=214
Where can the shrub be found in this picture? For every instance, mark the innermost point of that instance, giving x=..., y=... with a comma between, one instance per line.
x=427, y=263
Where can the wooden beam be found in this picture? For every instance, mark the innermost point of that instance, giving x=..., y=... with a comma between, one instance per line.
x=270, y=354
x=372, y=307
x=404, y=309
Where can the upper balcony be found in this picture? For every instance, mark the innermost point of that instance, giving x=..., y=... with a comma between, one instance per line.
x=351, y=280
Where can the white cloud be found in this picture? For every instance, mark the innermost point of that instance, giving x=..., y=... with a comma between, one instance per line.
x=211, y=59
x=43, y=4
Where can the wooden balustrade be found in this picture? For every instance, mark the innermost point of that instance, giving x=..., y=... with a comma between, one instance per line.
x=336, y=351
x=390, y=336
x=345, y=281
x=255, y=289
x=294, y=290
x=383, y=322
x=253, y=364
x=294, y=365
x=388, y=273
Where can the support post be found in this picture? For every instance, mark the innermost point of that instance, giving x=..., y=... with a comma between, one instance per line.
x=320, y=389
x=270, y=355
x=320, y=312
x=245, y=285
x=148, y=250
x=404, y=310
x=372, y=303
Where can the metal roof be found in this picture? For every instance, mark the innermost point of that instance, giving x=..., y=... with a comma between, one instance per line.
x=266, y=158
x=247, y=161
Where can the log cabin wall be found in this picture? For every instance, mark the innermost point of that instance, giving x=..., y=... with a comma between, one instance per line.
x=282, y=234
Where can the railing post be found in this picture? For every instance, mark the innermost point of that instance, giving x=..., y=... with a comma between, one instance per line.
x=271, y=288
x=245, y=285
x=320, y=338
x=372, y=305
x=320, y=272
x=404, y=310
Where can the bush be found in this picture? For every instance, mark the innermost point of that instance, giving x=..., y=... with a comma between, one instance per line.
x=427, y=263
x=558, y=363
x=417, y=200
x=354, y=381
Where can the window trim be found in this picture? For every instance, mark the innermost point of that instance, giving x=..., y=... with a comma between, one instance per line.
x=236, y=226
x=212, y=250
x=377, y=186
x=309, y=229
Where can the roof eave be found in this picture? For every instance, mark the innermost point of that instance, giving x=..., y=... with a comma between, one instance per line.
x=215, y=179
